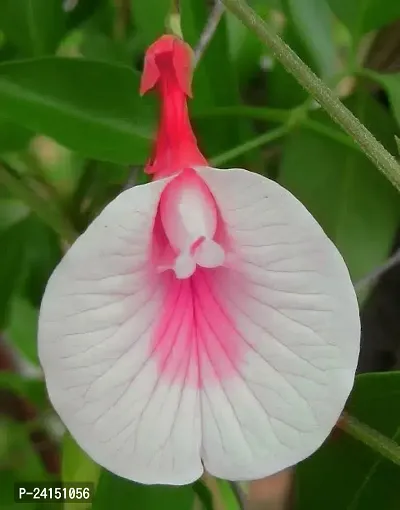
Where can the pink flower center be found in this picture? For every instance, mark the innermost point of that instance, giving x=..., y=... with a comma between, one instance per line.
x=189, y=219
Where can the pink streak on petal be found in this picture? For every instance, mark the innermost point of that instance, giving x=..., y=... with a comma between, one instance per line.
x=196, y=244
x=196, y=340
x=196, y=330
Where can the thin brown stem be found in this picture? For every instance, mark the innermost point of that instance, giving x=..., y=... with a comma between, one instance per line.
x=209, y=30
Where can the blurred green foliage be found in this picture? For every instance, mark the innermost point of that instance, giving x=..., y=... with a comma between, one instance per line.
x=71, y=125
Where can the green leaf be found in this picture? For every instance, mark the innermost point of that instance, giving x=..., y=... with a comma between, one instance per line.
x=246, y=50
x=283, y=90
x=362, y=16
x=116, y=492
x=43, y=252
x=35, y=26
x=353, y=202
x=31, y=251
x=149, y=18
x=314, y=23
x=345, y=473
x=91, y=107
x=77, y=467
x=22, y=328
x=98, y=46
x=391, y=83
x=12, y=137
x=12, y=257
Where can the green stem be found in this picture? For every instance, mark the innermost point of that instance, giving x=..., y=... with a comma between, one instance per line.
x=278, y=116
x=253, y=112
x=371, y=437
x=326, y=98
x=263, y=139
x=48, y=214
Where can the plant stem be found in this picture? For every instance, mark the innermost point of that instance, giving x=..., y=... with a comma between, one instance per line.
x=209, y=30
x=278, y=116
x=45, y=210
x=371, y=437
x=326, y=98
x=263, y=139
x=253, y=112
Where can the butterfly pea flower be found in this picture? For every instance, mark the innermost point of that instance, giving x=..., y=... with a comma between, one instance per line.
x=203, y=321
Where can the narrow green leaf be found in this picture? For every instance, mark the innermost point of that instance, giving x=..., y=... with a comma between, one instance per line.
x=35, y=26
x=91, y=107
x=314, y=22
x=116, y=492
x=43, y=252
x=345, y=473
x=22, y=328
x=283, y=90
x=353, y=202
x=246, y=51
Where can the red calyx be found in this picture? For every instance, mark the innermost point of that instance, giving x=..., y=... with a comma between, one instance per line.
x=177, y=56
x=167, y=69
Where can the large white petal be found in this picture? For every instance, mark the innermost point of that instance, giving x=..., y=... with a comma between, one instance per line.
x=96, y=326
x=296, y=315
